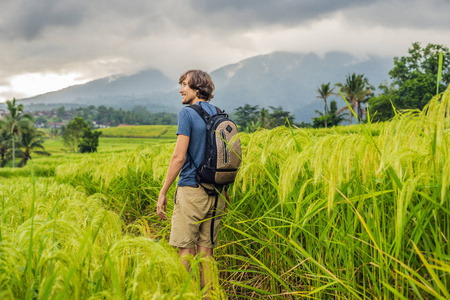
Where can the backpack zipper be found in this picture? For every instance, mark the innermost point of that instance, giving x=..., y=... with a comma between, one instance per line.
x=225, y=152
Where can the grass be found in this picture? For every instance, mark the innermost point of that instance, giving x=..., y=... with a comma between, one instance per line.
x=108, y=145
x=57, y=242
x=358, y=212
x=345, y=215
x=141, y=131
x=45, y=165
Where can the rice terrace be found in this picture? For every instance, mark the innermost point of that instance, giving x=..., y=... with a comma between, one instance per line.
x=348, y=212
x=214, y=150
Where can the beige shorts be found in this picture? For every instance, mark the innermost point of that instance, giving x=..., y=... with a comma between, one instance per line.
x=192, y=218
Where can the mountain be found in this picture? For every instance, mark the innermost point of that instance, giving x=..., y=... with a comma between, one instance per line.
x=118, y=91
x=289, y=80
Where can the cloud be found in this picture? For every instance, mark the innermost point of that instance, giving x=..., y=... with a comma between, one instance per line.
x=241, y=14
x=28, y=19
x=139, y=18
x=412, y=14
x=103, y=37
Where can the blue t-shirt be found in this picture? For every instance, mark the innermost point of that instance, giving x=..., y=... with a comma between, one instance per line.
x=192, y=125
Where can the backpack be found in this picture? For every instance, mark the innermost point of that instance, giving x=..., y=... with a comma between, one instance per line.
x=222, y=159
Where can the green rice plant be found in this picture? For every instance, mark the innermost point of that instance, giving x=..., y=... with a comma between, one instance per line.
x=438, y=81
x=357, y=212
x=59, y=243
x=43, y=166
x=351, y=213
x=135, y=177
x=124, y=145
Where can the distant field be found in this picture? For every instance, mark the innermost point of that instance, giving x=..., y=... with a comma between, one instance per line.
x=106, y=144
x=109, y=144
x=141, y=131
x=45, y=165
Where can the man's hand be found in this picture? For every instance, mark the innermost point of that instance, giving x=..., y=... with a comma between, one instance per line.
x=161, y=206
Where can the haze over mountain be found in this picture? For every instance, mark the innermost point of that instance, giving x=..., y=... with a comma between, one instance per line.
x=118, y=91
x=289, y=80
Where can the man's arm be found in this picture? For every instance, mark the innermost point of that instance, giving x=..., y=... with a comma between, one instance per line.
x=176, y=162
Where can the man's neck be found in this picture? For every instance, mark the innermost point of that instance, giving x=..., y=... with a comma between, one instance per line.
x=197, y=100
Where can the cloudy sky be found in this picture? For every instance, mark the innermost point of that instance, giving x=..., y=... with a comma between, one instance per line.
x=50, y=44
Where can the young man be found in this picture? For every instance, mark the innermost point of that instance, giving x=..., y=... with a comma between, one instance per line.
x=193, y=207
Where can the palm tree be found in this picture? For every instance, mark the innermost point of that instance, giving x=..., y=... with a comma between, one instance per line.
x=324, y=92
x=332, y=118
x=15, y=122
x=4, y=143
x=31, y=139
x=263, y=117
x=336, y=119
x=356, y=89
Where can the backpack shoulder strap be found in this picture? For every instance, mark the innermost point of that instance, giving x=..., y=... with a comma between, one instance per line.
x=203, y=113
x=200, y=111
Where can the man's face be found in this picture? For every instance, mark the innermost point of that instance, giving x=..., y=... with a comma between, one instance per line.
x=187, y=94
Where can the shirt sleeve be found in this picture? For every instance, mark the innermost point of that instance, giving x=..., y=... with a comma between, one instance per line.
x=184, y=123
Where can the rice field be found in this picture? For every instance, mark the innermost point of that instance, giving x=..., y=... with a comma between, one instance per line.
x=141, y=131
x=350, y=212
x=58, y=243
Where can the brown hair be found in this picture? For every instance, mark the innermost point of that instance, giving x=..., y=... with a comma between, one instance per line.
x=201, y=82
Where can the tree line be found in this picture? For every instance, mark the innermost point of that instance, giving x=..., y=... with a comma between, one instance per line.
x=250, y=117
x=138, y=115
x=356, y=90
x=19, y=137
x=414, y=82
